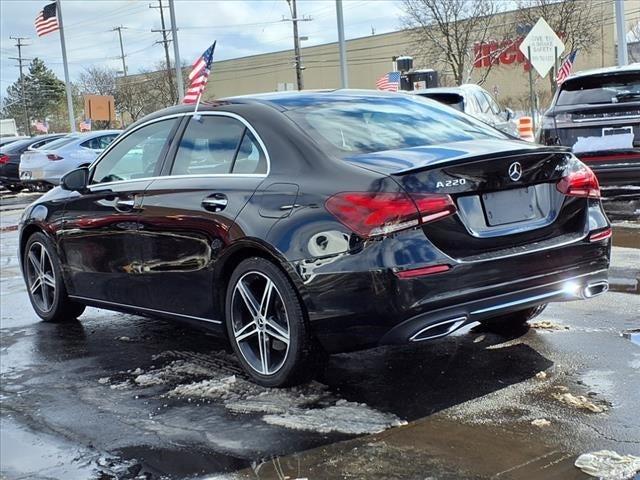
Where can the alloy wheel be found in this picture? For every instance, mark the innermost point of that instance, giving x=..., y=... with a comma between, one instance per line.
x=260, y=323
x=41, y=277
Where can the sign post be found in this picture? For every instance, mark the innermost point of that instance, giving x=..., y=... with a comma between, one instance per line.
x=542, y=47
x=532, y=98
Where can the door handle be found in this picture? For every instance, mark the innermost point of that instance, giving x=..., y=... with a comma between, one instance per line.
x=125, y=205
x=216, y=202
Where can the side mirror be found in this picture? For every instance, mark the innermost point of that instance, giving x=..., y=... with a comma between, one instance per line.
x=508, y=114
x=76, y=180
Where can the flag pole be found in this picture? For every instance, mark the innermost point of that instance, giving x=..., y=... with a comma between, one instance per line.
x=67, y=82
x=195, y=111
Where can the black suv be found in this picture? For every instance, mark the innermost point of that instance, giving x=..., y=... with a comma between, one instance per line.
x=597, y=114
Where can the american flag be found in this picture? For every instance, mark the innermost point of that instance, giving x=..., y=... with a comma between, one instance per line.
x=47, y=20
x=41, y=126
x=199, y=75
x=85, y=125
x=565, y=69
x=389, y=81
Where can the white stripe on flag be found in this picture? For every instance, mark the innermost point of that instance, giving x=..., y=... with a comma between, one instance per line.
x=197, y=68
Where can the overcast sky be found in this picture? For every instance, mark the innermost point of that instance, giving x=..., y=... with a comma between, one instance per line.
x=242, y=27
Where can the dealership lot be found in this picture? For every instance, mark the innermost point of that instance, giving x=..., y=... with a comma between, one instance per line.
x=120, y=396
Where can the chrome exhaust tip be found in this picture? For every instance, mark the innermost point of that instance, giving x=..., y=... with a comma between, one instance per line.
x=439, y=329
x=595, y=289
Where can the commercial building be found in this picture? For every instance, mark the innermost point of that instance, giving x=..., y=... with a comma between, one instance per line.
x=371, y=57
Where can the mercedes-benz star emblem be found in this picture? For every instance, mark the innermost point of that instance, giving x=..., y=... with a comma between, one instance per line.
x=515, y=171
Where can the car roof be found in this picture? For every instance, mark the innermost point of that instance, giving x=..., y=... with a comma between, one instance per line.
x=631, y=68
x=279, y=100
x=93, y=133
x=460, y=90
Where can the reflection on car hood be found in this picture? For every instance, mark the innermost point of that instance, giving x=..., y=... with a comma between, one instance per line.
x=407, y=159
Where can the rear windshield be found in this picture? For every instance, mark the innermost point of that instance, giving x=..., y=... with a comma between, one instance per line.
x=352, y=125
x=17, y=146
x=452, y=99
x=61, y=142
x=601, y=89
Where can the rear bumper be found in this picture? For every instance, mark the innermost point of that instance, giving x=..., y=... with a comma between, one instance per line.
x=442, y=322
x=351, y=310
x=9, y=174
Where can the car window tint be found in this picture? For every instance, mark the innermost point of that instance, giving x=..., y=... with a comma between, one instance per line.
x=60, y=142
x=613, y=88
x=98, y=143
x=349, y=126
x=208, y=146
x=136, y=156
x=250, y=158
x=452, y=99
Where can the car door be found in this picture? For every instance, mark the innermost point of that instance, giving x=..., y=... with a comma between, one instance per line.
x=99, y=239
x=189, y=214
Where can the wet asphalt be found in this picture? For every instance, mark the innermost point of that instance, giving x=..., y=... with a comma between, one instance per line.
x=97, y=398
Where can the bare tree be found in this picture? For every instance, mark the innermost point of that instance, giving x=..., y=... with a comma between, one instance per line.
x=578, y=22
x=445, y=32
x=633, y=39
x=97, y=81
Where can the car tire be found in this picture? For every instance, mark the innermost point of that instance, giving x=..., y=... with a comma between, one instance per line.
x=45, y=285
x=511, y=321
x=14, y=188
x=274, y=323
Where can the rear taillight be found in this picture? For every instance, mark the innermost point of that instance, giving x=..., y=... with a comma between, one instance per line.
x=601, y=235
x=372, y=214
x=4, y=159
x=580, y=183
x=53, y=156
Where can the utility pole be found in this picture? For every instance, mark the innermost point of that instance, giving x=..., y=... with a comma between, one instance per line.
x=124, y=65
x=176, y=51
x=344, y=77
x=621, y=31
x=165, y=41
x=296, y=41
x=19, y=44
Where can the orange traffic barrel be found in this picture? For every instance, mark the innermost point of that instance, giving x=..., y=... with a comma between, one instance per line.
x=525, y=129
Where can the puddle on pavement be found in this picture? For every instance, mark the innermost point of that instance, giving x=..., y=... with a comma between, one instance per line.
x=45, y=455
x=626, y=237
x=182, y=462
x=633, y=335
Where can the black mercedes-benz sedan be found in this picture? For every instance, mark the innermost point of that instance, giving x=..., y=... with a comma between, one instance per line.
x=303, y=223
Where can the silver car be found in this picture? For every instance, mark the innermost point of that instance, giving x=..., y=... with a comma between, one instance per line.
x=474, y=100
x=45, y=166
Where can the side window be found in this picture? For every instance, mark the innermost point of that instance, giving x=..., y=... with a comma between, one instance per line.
x=492, y=104
x=470, y=104
x=208, y=146
x=482, y=102
x=98, y=143
x=103, y=142
x=91, y=143
x=136, y=156
x=250, y=158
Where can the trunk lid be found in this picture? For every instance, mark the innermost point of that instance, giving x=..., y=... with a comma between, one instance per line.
x=505, y=192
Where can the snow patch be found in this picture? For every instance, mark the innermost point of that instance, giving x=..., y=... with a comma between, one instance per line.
x=344, y=417
x=171, y=373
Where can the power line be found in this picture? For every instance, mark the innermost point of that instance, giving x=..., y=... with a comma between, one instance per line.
x=19, y=44
x=165, y=42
